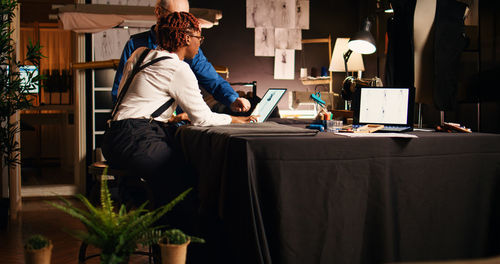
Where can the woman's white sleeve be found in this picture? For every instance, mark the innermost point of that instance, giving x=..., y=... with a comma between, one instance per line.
x=184, y=88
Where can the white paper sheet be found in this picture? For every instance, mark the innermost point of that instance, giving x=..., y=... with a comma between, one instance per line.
x=385, y=135
x=109, y=44
x=260, y=13
x=302, y=15
x=284, y=13
x=285, y=38
x=284, y=64
x=264, y=42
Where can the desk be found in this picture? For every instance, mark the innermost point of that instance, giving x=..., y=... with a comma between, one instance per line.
x=331, y=199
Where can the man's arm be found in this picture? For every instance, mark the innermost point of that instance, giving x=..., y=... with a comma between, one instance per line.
x=127, y=51
x=143, y=39
x=211, y=80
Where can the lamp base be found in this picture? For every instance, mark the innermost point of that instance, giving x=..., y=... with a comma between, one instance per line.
x=350, y=85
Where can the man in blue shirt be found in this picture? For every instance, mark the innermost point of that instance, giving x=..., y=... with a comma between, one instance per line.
x=207, y=77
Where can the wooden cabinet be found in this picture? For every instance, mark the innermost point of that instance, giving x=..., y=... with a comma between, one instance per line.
x=328, y=80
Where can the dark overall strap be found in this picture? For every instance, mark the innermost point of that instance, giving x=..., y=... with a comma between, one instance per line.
x=162, y=109
x=137, y=68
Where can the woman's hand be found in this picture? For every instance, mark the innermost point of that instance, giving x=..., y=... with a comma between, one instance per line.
x=178, y=118
x=243, y=119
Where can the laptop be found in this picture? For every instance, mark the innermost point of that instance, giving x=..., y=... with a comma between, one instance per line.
x=388, y=106
x=267, y=104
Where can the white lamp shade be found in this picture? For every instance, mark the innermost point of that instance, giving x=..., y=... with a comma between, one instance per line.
x=355, y=62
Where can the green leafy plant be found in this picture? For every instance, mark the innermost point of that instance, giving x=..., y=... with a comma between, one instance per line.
x=35, y=242
x=13, y=86
x=115, y=233
x=177, y=237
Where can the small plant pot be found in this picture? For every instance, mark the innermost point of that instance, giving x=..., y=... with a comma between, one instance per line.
x=38, y=256
x=173, y=254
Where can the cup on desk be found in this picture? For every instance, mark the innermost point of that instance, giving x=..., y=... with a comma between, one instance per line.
x=334, y=125
x=303, y=73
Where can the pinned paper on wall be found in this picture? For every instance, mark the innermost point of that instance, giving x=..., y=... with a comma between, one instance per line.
x=284, y=64
x=302, y=15
x=285, y=38
x=110, y=2
x=264, y=42
x=284, y=13
x=260, y=13
x=278, y=25
x=126, y=2
x=109, y=43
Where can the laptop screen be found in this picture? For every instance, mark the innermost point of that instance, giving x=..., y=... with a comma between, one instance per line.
x=269, y=101
x=385, y=105
x=25, y=72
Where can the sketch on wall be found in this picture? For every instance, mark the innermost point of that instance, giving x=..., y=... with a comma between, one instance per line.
x=110, y=2
x=288, y=38
x=264, y=42
x=125, y=2
x=302, y=18
x=260, y=13
x=284, y=13
x=283, y=20
x=108, y=44
x=284, y=64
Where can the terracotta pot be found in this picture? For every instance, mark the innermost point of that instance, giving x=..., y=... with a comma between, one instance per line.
x=173, y=254
x=38, y=256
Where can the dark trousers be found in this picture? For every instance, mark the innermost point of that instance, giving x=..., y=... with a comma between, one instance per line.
x=148, y=151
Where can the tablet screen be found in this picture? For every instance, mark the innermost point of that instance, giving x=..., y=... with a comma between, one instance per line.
x=266, y=106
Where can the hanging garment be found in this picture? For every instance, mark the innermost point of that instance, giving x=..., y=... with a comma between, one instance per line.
x=449, y=42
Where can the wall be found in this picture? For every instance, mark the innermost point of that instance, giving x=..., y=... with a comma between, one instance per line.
x=488, y=90
x=232, y=44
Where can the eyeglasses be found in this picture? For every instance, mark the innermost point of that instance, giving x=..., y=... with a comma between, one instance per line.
x=200, y=38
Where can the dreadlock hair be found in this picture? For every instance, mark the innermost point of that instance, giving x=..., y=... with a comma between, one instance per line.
x=171, y=29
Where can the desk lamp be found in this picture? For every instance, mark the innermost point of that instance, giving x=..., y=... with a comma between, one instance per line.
x=363, y=43
x=337, y=63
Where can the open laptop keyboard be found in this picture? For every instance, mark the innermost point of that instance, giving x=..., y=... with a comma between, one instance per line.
x=390, y=128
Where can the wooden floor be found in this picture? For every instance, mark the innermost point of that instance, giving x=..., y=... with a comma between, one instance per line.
x=38, y=217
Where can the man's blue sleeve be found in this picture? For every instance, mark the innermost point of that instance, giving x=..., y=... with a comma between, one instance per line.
x=209, y=79
x=127, y=51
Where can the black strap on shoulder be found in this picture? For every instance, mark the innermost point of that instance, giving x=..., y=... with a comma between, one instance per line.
x=153, y=61
x=162, y=109
x=137, y=68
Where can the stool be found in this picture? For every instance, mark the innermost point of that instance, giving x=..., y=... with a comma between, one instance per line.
x=119, y=177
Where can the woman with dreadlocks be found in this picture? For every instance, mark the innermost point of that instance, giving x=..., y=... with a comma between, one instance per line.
x=154, y=82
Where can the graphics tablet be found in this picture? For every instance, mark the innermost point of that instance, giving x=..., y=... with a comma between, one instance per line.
x=269, y=101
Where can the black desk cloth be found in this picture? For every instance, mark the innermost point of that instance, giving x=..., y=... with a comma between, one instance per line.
x=332, y=199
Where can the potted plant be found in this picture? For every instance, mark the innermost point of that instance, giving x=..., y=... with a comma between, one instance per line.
x=173, y=246
x=37, y=250
x=13, y=92
x=115, y=233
